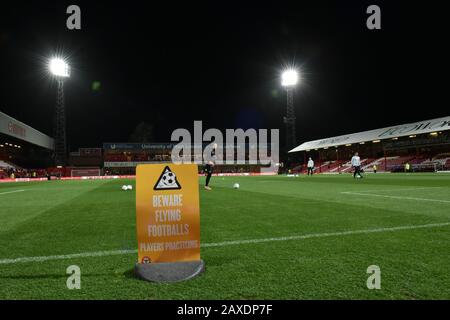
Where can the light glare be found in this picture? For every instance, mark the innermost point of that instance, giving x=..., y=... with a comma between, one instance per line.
x=289, y=78
x=58, y=67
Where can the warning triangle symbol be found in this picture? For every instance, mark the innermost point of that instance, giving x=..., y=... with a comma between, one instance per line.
x=167, y=181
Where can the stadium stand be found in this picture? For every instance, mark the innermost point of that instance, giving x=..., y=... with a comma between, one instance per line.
x=447, y=164
x=8, y=168
x=330, y=166
x=6, y=165
x=424, y=145
x=86, y=157
x=22, y=146
x=347, y=167
x=26, y=152
x=122, y=158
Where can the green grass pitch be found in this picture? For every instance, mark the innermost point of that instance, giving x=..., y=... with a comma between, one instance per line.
x=324, y=259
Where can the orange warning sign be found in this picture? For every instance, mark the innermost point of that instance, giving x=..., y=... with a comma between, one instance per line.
x=167, y=213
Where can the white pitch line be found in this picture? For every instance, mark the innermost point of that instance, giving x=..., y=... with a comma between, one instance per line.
x=67, y=256
x=396, y=197
x=392, y=190
x=7, y=192
x=224, y=243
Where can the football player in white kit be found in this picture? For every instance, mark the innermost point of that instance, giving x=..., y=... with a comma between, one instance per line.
x=356, y=164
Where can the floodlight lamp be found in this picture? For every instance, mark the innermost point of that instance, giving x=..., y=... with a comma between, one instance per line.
x=289, y=78
x=58, y=67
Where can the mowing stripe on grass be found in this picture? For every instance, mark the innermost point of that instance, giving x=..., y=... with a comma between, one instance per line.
x=395, y=197
x=2, y=193
x=224, y=243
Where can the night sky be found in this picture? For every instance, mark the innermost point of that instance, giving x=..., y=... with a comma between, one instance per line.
x=170, y=63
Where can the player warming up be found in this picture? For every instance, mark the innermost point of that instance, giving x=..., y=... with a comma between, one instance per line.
x=356, y=164
x=310, y=166
x=210, y=166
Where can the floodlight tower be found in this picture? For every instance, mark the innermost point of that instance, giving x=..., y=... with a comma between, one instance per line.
x=60, y=70
x=289, y=79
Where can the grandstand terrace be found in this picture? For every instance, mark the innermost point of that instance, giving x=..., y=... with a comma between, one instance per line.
x=425, y=145
x=24, y=151
x=122, y=158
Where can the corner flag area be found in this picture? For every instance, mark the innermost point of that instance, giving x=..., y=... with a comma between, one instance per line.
x=276, y=237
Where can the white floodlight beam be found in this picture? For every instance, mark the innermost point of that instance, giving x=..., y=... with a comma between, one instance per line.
x=59, y=68
x=289, y=78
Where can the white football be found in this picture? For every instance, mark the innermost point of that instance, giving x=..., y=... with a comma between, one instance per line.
x=124, y=188
x=236, y=186
x=130, y=187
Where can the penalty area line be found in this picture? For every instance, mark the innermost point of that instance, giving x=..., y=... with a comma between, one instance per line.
x=224, y=243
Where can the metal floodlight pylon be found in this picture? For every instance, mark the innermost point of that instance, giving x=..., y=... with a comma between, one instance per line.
x=60, y=126
x=289, y=79
x=60, y=69
x=289, y=119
